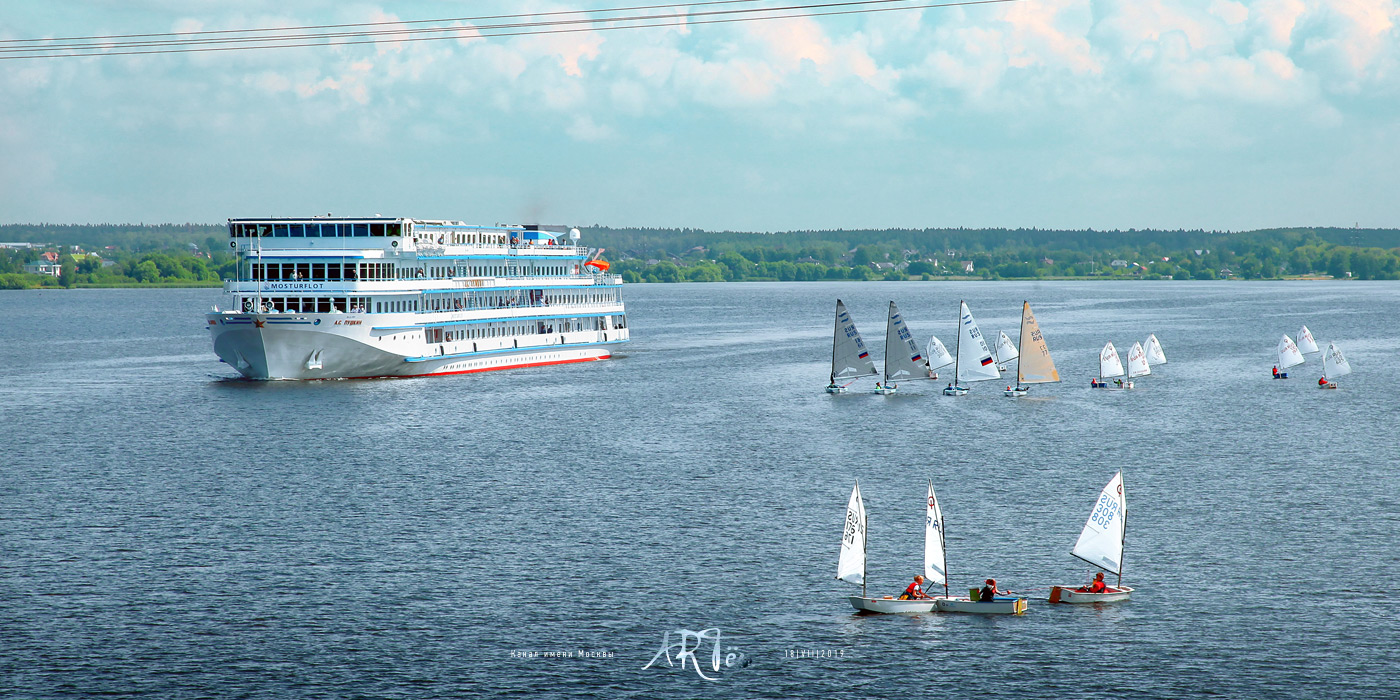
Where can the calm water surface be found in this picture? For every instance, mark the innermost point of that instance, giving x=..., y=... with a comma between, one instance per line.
x=166, y=532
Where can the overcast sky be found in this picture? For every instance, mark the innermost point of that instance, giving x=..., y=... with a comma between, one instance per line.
x=1208, y=114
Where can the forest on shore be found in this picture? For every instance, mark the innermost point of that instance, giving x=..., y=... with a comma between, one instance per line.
x=114, y=255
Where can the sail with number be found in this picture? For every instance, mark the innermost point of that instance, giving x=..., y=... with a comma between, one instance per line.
x=1101, y=542
x=937, y=354
x=1137, y=362
x=1155, y=356
x=1006, y=350
x=975, y=362
x=1035, y=366
x=851, y=566
x=902, y=357
x=935, y=556
x=1109, y=364
x=1306, y=344
x=1288, y=354
x=1334, y=364
x=849, y=357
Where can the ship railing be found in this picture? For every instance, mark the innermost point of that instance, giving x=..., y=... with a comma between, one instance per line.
x=472, y=305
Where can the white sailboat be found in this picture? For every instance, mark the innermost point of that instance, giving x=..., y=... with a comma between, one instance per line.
x=850, y=567
x=974, y=361
x=1101, y=544
x=1155, y=355
x=937, y=355
x=1334, y=365
x=1288, y=356
x=1137, y=363
x=1306, y=344
x=902, y=357
x=850, y=360
x=1005, y=350
x=936, y=551
x=1110, y=366
x=1035, y=365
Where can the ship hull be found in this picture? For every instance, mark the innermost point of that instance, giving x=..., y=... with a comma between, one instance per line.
x=272, y=347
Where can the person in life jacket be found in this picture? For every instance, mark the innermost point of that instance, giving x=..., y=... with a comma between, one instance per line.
x=915, y=590
x=1097, y=586
x=1275, y=371
x=989, y=592
x=1322, y=381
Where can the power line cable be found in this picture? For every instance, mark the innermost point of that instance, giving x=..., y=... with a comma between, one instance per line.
x=496, y=31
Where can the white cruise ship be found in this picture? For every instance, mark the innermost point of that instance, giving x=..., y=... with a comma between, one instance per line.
x=332, y=297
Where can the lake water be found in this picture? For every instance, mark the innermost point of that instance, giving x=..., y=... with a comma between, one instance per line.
x=169, y=533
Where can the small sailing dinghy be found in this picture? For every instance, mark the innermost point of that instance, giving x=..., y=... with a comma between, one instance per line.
x=1306, y=344
x=937, y=550
x=850, y=360
x=937, y=355
x=974, y=361
x=850, y=567
x=1035, y=365
x=1155, y=356
x=902, y=357
x=1288, y=356
x=1137, y=363
x=1334, y=365
x=1101, y=544
x=1005, y=351
x=1110, y=366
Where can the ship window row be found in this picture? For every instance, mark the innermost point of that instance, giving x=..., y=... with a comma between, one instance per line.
x=506, y=330
x=316, y=230
x=526, y=298
x=307, y=305
x=463, y=237
x=334, y=272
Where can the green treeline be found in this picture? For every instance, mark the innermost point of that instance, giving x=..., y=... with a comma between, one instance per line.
x=197, y=254
x=690, y=255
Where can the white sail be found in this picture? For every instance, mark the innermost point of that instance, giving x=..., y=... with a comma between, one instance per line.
x=975, y=361
x=1101, y=542
x=1155, y=356
x=1137, y=362
x=849, y=357
x=1109, y=364
x=1306, y=344
x=1035, y=366
x=935, y=556
x=937, y=354
x=1334, y=364
x=851, y=566
x=902, y=357
x=1006, y=350
x=1288, y=354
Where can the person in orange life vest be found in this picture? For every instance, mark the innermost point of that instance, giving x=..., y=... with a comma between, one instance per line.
x=914, y=591
x=1098, y=586
x=1275, y=371
x=989, y=592
x=1322, y=381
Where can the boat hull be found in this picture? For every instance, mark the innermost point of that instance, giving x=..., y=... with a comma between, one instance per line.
x=836, y=390
x=892, y=605
x=954, y=391
x=1073, y=596
x=997, y=606
x=287, y=346
x=1016, y=392
x=1328, y=385
x=886, y=390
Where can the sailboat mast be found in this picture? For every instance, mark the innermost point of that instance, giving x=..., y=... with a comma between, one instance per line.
x=1123, y=540
x=943, y=539
x=957, y=349
x=864, y=546
x=1021, y=342
x=835, y=329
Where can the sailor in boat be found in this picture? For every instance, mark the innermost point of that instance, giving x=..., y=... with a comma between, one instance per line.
x=915, y=590
x=1275, y=371
x=1119, y=382
x=1097, y=586
x=1094, y=383
x=989, y=592
x=1322, y=381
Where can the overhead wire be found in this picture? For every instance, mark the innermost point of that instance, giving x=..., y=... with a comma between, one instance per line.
x=457, y=31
